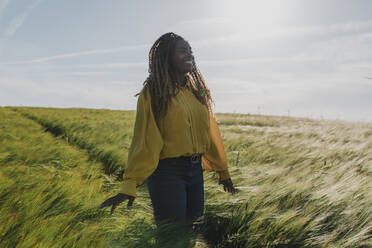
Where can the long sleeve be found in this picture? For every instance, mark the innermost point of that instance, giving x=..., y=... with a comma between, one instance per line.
x=144, y=151
x=214, y=159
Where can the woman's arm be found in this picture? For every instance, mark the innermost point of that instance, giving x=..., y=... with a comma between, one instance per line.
x=143, y=155
x=214, y=159
x=144, y=152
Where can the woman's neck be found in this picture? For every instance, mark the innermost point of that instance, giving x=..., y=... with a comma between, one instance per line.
x=181, y=80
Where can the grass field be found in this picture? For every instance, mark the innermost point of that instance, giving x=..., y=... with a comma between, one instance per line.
x=302, y=182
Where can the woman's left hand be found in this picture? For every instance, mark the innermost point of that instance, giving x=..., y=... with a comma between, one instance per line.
x=228, y=186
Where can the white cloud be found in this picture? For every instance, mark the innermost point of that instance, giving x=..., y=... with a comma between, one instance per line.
x=18, y=21
x=280, y=32
x=116, y=65
x=199, y=28
x=79, y=54
x=342, y=56
x=331, y=97
x=72, y=93
x=3, y=4
x=247, y=61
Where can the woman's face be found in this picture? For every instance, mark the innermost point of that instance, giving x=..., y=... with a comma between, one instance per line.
x=183, y=58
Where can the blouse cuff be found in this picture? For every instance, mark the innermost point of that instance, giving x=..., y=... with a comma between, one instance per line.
x=128, y=187
x=222, y=175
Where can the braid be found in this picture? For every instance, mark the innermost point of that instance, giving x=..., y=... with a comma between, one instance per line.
x=161, y=79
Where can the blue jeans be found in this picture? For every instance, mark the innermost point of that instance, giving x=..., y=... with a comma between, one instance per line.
x=176, y=190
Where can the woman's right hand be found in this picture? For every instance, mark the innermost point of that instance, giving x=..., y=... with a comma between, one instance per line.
x=116, y=200
x=228, y=186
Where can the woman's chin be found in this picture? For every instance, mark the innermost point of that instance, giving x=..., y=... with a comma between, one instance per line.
x=188, y=69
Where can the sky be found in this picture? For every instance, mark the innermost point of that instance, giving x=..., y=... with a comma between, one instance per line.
x=288, y=58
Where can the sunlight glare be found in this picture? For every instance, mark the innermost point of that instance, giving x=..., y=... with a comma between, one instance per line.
x=256, y=16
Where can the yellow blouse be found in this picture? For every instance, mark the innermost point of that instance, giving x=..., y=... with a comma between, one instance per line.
x=186, y=129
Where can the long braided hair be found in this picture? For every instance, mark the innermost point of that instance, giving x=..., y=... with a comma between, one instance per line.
x=161, y=81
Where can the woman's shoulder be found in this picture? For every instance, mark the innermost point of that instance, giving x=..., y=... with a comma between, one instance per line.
x=143, y=93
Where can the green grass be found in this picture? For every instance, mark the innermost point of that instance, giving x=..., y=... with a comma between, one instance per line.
x=48, y=189
x=50, y=192
x=302, y=182
x=301, y=185
x=106, y=135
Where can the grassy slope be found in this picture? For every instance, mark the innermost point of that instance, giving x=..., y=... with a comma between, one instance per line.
x=106, y=135
x=50, y=192
x=303, y=183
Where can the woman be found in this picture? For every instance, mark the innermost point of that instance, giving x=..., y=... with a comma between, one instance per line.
x=175, y=131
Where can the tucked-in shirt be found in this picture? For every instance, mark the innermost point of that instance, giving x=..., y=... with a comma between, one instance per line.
x=186, y=129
